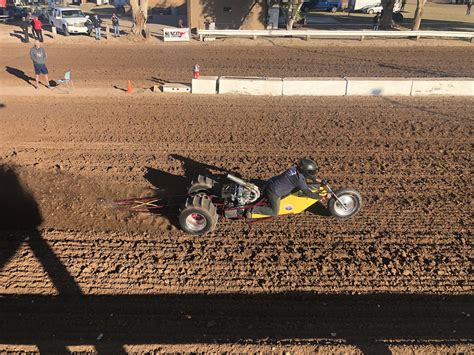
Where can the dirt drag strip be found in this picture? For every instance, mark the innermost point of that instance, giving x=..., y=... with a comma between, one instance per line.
x=294, y=280
x=109, y=65
x=408, y=157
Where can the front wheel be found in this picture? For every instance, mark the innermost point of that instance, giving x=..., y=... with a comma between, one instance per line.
x=351, y=203
x=66, y=32
x=333, y=9
x=370, y=12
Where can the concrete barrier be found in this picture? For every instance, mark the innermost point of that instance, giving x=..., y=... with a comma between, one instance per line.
x=176, y=88
x=445, y=86
x=314, y=86
x=378, y=87
x=250, y=85
x=204, y=85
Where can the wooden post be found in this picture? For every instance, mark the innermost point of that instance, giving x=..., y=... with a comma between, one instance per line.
x=54, y=32
x=308, y=37
x=107, y=30
x=362, y=38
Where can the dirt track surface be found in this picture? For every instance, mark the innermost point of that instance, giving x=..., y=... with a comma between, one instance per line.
x=111, y=64
x=397, y=272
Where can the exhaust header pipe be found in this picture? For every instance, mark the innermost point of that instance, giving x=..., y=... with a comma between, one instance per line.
x=236, y=180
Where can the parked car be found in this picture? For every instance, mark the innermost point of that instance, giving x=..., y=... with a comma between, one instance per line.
x=68, y=20
x=372, y=9
x=320, y=5
x=377, y=8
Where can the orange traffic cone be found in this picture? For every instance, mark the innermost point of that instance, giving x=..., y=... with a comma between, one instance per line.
x=129, y=87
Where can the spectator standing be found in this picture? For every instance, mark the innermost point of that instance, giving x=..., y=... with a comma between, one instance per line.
x=376, y=22
x=115, y=25
x=32, y=24
x=96, y=21
x=38, y=28
x=468, y=7
x=24, y=26
x=38, y=56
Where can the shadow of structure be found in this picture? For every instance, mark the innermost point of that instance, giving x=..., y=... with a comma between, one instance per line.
x=365, y=321
x=20, y=218
x=110, y=322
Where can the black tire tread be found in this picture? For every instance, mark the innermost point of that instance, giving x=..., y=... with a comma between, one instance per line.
x=202, y=183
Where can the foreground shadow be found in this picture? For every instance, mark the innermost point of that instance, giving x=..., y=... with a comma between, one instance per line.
x=20, y=219
x=365, y=321
x=18, y=211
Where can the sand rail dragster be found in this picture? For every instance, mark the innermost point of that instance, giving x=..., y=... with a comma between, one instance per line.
x=210, y=198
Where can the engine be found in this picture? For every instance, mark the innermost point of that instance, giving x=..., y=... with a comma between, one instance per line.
x=242, y=193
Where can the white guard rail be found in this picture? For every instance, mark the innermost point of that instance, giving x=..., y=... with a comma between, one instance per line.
x=307, y=34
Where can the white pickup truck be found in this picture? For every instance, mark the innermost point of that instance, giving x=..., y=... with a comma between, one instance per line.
x=68, y=20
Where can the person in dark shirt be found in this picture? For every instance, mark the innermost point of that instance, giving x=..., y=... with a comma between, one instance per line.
x=376, y=22
x=24, y=26
x=285, y=183
x=96, y=21
x=115, y=25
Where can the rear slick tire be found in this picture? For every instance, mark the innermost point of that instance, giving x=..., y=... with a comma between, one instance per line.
x=198, y=216
x=351, y=198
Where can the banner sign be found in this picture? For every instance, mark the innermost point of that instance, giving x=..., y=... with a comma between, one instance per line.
x=176, y=34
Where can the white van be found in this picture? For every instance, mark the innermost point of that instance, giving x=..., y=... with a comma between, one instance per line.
x=68, y=20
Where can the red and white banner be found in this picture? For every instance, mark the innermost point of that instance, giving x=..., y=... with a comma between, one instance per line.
x=176, y=34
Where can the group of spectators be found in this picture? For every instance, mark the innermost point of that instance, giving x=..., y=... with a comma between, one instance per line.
x=93, y=23
x=36, y=28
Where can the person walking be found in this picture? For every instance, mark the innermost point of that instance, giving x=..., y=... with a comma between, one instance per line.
x=115, y=25
x=38, y=28
x=468, y=7
x=24, y=27
x=38, y=56
x=96, y=21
